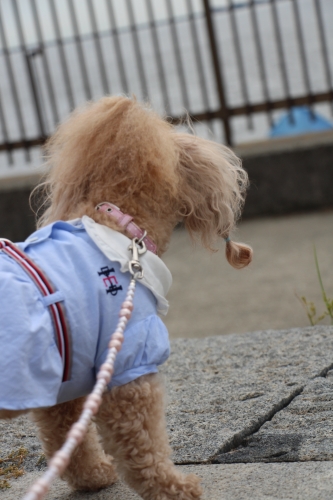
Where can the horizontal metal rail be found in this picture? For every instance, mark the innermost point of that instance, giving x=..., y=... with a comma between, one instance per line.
x=198, y=117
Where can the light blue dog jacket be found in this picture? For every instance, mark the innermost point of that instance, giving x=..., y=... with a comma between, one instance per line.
x=88, y=265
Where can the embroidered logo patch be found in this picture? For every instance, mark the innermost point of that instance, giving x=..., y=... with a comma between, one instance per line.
x=110, y=281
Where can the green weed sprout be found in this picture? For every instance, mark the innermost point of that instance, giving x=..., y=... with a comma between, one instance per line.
x=310, y=307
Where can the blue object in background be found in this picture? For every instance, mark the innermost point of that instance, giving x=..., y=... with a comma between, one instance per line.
x=299, y=120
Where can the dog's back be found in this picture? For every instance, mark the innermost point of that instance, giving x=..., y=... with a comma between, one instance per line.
x=90, y=288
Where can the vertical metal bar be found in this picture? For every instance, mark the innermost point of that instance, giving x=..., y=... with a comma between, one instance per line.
x=45, y=62
x=62, y=55
x=17, y=104
x=115, y=34
x=218, y=73
x=12, y=82
x=324, y=51
x=301, y=46
x=98, y=48
x=137, y=49
x=78, y=43
x=5, y=134
x=176, y=47
x=38, y=108
x=158, y=58
x=260, y=58
x=240, y=62
x=198, y=59
x=27, y=55
x=281, y=57
x=13, y=87
x=197, y=53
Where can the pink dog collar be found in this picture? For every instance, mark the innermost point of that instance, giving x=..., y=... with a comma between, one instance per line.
x=125, y=221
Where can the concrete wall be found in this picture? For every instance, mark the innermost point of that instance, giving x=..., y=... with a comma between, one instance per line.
x=287, y=175
x=17, y=220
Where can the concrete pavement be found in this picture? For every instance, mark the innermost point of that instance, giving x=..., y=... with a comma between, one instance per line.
x=250, y=414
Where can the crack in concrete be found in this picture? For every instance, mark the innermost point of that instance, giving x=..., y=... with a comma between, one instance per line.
x=206, y=462
x=324, y=372
x=237, y=439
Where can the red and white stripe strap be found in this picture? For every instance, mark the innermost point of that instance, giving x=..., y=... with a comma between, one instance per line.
x=125, y=221
x=46, y=289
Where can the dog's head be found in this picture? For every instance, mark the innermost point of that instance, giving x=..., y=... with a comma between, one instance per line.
x=120, y=151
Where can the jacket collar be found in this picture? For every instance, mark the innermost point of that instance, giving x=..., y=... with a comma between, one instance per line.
x=157, y=277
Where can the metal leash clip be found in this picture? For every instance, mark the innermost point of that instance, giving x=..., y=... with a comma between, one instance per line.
x=137, y=247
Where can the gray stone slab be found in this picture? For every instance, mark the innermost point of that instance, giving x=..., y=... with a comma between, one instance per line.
x=222, y=389
x=300, y=432
x=287, y=481
x=60, y=491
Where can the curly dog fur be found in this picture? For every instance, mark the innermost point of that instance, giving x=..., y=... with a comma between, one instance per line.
x=120, y=151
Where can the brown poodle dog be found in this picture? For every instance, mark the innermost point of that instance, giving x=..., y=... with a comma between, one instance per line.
x=119, y=151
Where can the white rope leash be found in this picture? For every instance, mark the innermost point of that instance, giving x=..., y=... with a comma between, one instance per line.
x=91, y=406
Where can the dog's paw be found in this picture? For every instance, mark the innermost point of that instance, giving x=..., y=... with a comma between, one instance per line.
x=189, y=488
x=179, y=487
x=92, y=477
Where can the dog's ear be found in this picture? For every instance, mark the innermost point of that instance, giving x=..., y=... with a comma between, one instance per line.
x=212, y=192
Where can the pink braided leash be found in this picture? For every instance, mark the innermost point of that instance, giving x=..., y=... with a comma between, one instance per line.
x=91, y=406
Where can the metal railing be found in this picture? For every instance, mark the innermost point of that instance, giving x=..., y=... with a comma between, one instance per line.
x=218, y=61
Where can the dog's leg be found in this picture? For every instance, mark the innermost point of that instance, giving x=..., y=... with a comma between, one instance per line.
x=132, y=425
x=89, y=468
